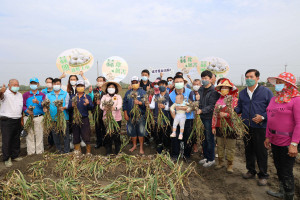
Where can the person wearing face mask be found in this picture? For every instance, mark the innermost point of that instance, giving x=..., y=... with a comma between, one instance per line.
x=49, y=86
x=155, y=86
x=112, y=89
x=208, y=99
x=71, y=87
x=48, y=89
x=99, y=127
x=34, y=139
x=135, y=130
x=226, y=144
x=11, y=104
x=195, y=92
x=283, y=131
x=252, y=104
x=175, y=142
x=145, y=83
x=59, y=94
x=170, y=86
x=161, y=136
x=84, y=105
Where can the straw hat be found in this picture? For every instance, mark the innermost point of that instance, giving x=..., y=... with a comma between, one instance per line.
x=225, y=83
x=104, y=86
x=286, y=77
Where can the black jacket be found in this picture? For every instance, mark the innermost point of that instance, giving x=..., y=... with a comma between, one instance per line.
x=208, y=98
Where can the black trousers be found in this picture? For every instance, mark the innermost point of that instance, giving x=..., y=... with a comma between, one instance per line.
x=175, y=143
x=82, y=132
x=100, y=132
x=114, y=138
x=284, y=165
x=162, y=138
x=11, y=130
x=50, y=139
x=255, y=151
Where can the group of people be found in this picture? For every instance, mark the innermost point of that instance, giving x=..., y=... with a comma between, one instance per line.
x=272, y=121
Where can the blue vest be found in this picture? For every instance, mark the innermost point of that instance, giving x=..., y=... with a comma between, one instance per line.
x=186, y=95
x=52, y=97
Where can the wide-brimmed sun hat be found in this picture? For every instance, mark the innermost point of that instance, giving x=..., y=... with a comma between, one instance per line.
x=286, y=77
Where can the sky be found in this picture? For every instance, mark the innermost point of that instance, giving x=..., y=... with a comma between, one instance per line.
x=261, y=34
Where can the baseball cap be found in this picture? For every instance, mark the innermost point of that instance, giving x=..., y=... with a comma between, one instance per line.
x=34, y=79
x=134, y=78
x=80, y=82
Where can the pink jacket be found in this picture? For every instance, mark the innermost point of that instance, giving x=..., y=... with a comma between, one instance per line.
x=116, y=112
x=284, y=122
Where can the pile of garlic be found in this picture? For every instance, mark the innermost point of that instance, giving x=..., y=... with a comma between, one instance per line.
x=78, y=59
x=216, y=65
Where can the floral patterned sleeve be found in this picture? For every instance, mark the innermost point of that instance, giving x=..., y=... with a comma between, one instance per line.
x=214, y=119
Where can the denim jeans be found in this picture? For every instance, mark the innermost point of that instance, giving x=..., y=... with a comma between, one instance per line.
x=209, y=141
x=137, y=129
x=66, y=138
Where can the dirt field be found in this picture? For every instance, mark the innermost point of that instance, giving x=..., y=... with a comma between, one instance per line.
x=211, y=184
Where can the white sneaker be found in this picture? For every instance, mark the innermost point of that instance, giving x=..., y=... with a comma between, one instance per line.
x=209, y=163
x=173, y=135
x=201, y=162
x=18, y=159
x=8, y=163
x=180, y=136
x=82, y=144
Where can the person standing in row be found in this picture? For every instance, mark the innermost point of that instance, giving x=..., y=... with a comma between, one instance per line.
x=135, y=129
x=226, y=139
x=208, y=99
x=112, y=90
x=252, y=104
x=99, y=125
x=34, y=139
x=59, y=94
x=283, y=131
x=83, y=130
x=48, y=89
x=11, y=104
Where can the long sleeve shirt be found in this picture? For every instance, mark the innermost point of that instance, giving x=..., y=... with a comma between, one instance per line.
x=83, y=109
x=116, y=111
x=257, y=104
x=283, y=126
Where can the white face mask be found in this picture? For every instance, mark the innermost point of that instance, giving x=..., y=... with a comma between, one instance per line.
x=111, y=90
x=49, y=85
x=99, y=84
x=73, y=83
x=196, y=87
x=56, y=87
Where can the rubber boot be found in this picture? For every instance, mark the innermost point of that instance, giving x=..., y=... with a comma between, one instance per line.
x=279, y=194
x=289, y=188
x=88, y=149
x=77, y=148
x=229, y=167
x=220, y=164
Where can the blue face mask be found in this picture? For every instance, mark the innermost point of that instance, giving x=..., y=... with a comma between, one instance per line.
x=155, y=86
x=170, y=82
x=33, y=87
x=279, y=87
x=162, y=88
x=15, y=89
x=144, y=78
